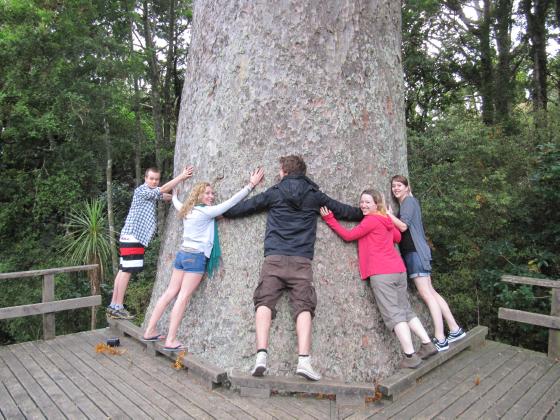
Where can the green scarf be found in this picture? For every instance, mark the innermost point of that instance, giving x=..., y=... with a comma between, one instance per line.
x=216, y=253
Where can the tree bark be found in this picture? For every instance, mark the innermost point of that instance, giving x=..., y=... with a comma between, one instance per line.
x=486, y=69
x=535, y=13
x=154, y=78
x=110, y=212
x=168, y=100
x=504, y=93
x=320, y=78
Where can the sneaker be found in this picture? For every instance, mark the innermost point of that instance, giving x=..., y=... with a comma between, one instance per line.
x=441, y=345
x=411, y=362
x=109, y=311
x=427, y=350
x=121, y=314
x=305, y=369
x=456, y=336
x=260, y=364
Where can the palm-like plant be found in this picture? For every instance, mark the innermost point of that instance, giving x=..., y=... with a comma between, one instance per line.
x=87, y=242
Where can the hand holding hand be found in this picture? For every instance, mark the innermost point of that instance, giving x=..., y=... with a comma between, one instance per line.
x=325, y=211
x=166, y=196
x=256, y=177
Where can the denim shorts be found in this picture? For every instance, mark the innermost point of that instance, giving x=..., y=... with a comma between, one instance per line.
x=191, y=262
x=414, y=266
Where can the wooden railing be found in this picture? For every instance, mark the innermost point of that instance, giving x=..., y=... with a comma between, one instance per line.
x=552, y=321
x=49, y=306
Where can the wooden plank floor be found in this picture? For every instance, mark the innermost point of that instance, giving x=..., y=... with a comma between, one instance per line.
x=66, y=378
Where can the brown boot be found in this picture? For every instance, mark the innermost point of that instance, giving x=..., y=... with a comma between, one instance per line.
x=411, y=362
x=427, y=350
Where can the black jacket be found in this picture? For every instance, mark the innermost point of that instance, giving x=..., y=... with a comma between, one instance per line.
x=293, y=207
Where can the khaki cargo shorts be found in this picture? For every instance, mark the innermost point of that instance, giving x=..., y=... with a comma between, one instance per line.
x=391, y=296
x=292, y=274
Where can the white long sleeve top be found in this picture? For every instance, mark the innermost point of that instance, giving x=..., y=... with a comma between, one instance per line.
x=198, y=225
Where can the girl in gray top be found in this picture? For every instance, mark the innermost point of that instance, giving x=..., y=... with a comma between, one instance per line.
x=417, y=257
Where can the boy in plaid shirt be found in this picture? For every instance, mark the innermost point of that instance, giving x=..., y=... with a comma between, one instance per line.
x=139, y=229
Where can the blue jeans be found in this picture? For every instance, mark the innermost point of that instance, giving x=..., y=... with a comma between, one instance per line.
x=190, y=262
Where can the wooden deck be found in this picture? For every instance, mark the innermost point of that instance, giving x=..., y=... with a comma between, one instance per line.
x=66, y=378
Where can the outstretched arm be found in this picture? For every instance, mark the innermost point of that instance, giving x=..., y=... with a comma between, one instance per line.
x=253, y=205
x=215, y=211
x=347, y=234
x=341, y=211
x=168, y=186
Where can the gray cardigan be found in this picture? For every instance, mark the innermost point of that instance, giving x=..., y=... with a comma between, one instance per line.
x=411, y=214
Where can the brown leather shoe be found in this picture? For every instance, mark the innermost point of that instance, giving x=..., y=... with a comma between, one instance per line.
x=410, y=362
x=427, y=350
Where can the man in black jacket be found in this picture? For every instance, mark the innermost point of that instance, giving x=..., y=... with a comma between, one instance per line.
x=291, y=227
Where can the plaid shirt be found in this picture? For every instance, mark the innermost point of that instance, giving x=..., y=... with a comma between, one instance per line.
x=141, y=221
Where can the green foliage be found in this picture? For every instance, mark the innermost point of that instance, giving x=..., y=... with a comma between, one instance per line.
x=66, y=69
x=483, y=196
x=87, y=240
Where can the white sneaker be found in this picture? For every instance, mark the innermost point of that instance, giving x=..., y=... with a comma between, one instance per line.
x=305, y=369
x=260, y=364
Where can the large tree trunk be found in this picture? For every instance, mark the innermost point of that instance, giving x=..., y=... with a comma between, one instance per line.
x=320, y=78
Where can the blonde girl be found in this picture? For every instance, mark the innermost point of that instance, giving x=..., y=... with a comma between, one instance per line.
x=199, y=253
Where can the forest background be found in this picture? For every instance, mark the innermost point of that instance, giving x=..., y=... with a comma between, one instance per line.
x=90, y=94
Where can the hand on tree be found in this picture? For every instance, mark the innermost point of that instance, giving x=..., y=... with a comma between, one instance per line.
x=256, y=177
x=187, y=172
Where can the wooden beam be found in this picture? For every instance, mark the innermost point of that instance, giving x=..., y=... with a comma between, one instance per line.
x=542, y=320
x=402, y=380
x=531, y=281
x=48, y=307
x=34, y=273
x=553, y=335
x=49, y=326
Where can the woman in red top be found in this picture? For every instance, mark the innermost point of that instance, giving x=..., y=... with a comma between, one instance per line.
x=381, y=263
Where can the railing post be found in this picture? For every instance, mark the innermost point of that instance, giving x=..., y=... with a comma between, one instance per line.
x=48, y=296
x=554, y=335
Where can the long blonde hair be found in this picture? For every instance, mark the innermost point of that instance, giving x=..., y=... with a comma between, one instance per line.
x=193, y=199
x=378, y=199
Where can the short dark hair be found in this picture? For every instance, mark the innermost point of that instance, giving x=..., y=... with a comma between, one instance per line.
x=152, y=169
x=293, y=165
x=400, y=178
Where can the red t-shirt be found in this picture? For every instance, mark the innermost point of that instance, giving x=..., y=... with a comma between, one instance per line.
x=376, y=237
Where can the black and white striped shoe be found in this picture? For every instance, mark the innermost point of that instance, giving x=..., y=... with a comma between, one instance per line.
x=456, y=335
